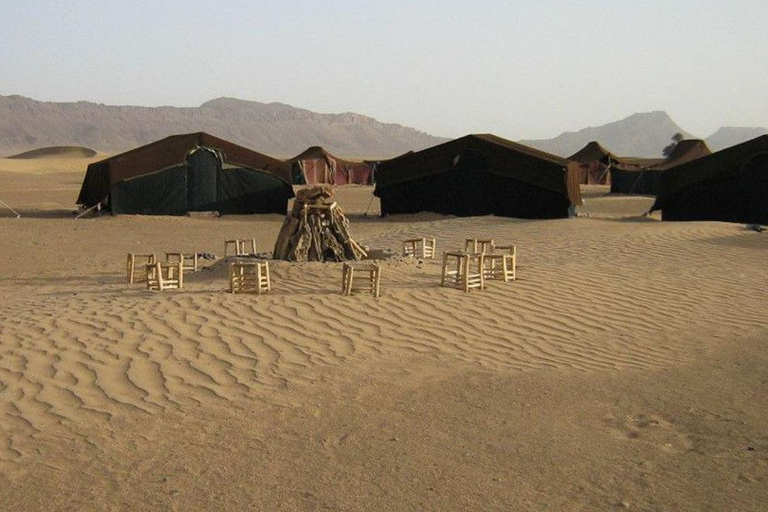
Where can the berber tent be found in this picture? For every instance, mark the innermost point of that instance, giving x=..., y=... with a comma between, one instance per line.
x=316, y=166
x=479, y=175
x=184, y=173
x=730, y=185
x=595, y=164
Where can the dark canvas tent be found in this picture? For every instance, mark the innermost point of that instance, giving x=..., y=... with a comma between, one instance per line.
x=730, y=185
x=643, y=176
x=191, y=172
x=479, y=175
x=317, y=166
x=595, y=163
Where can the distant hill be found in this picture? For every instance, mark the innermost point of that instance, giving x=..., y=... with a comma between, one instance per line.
x=731, y=135
x=56, y=152
x=641, y=135
x=272, y=128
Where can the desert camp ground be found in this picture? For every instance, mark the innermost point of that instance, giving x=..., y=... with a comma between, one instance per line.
x=624, y=369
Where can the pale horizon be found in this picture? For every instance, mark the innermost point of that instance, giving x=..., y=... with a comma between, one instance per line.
x=459, y=68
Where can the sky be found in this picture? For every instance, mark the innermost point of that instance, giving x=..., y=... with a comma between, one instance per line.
x=517, y=69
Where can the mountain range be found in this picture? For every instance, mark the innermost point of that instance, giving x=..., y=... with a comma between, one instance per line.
x=641, y=135
x=283, y=131
x=273, y=128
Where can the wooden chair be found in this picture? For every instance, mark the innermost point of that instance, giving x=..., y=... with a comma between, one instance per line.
x=143, y=260
x=239, y=246
x=478, y=245
x=361, y=278
x=463, y=270
x=188, y=261
x=165, y=276
x=420, y=247
x=249, y=277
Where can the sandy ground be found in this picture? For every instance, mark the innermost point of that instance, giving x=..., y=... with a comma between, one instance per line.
x=625, y=369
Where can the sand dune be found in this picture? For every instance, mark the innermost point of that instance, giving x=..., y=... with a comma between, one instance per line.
x=426, y=398
x=56, y=152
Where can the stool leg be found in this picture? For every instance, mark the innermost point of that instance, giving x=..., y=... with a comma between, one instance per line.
x=346, y=280
x=481, y=264
x=504, y=269
x=465, y=277
x=445, y=268
x=130, y=264
x=377, y=284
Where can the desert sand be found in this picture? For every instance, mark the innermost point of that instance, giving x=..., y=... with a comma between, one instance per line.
x=624, y=369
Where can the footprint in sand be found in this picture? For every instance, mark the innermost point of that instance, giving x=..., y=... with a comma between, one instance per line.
x=651, y=429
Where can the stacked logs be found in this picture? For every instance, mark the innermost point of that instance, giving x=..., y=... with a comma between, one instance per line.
x=316, y=230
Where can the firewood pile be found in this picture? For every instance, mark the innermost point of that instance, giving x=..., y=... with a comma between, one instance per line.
x=316, y=230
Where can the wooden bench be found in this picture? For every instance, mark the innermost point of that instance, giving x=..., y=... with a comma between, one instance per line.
x=364, y=277
x=463, y=270
x=165, y=276
x=143, y=260
x=249, y=277
x=239, y=246
x=419, y=247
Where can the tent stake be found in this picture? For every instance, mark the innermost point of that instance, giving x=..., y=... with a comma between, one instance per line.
x=18, y=215
x=96, y=206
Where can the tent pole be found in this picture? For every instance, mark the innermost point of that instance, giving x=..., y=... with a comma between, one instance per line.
x=607, y=169
x=369, y=205
x=635, y=183
x=18, y=215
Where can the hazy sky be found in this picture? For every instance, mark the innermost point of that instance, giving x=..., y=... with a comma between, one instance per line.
x=449, y=67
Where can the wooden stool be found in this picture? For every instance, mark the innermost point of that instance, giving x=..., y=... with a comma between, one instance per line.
x=164, y=276
x=478, y=245
x=239, y=245
x=419, y=247
x=144, y=259
x=249, y=277
x=512, y=250
x=499, y=266
x=188, y=261
x=469, y=270
x=360, y=278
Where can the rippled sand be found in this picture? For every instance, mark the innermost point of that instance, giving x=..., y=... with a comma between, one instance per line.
x=625, y=367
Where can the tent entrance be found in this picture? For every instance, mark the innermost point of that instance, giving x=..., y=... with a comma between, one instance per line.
x=203, y=166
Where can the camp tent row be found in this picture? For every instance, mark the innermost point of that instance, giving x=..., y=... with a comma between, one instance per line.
x=473, y=175
x=629, y=175
x=479, y=175
x=186, y=173
x=200, y=172
x=730, y=185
